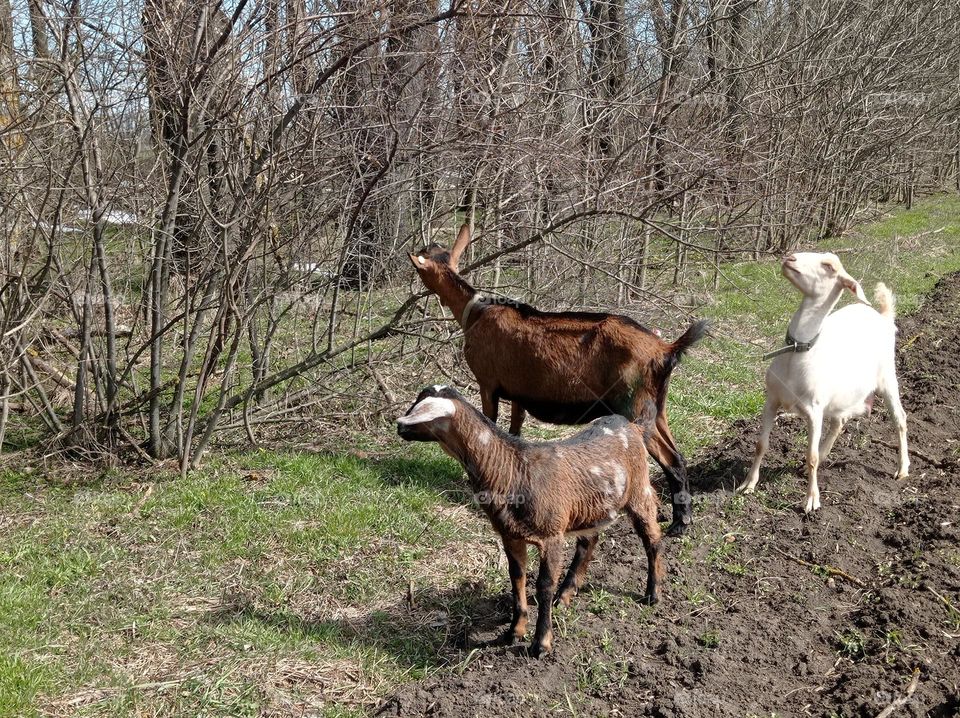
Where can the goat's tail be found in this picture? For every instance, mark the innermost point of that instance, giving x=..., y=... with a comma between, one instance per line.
x=884, y=300
x=695, y=332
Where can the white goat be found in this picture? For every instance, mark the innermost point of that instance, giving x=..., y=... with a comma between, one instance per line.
x=832, y=365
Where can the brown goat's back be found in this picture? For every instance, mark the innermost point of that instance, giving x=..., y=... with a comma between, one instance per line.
x=565, y=368
x=581, y=484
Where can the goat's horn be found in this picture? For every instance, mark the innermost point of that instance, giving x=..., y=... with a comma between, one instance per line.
x=463, y=239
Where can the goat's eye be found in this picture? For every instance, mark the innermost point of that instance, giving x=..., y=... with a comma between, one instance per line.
x=829, y=267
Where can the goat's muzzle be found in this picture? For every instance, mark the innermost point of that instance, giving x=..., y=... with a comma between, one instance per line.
x=415, y=432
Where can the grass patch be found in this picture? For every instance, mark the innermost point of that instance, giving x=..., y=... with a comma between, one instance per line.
x=312, y=583
x=263, y=580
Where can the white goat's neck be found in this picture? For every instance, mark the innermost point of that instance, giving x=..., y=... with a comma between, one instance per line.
x=808, y=319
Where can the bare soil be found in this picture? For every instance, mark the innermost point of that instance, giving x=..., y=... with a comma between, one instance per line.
x=744, y=626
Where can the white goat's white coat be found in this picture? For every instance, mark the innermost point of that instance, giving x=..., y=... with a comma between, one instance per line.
x=853, y=357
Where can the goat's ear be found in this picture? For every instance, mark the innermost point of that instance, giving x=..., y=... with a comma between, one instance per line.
x=419, y=261
x=463, y=239
x=853, y=285
x=428, y=409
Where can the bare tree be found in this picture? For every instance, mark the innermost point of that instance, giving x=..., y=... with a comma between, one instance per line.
x=206, y=208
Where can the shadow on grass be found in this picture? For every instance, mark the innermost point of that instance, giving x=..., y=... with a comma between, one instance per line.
x=417, y=467
x=716, y=474
x=433, y=472
x=426, y=632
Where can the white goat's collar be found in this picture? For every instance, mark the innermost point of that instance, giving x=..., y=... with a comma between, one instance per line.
x=792, y=345
x=467, y=310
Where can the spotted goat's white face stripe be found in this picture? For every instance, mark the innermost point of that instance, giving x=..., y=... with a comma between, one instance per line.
x=433, y=407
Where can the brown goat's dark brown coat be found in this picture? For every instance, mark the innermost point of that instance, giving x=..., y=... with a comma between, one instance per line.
x=565, y=367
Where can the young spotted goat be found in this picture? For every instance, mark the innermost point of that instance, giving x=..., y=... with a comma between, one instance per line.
x=565, y=367
x=538, y=493
x=832, y=364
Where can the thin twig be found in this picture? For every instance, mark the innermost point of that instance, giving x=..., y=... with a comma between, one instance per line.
x=829, y=570
x=909, y=343
x=904, y=699
x=389, y=395
x=946, y=602
x=939, y=463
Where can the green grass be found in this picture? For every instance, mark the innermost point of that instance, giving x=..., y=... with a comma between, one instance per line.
x=313, y=582
x=262, y=578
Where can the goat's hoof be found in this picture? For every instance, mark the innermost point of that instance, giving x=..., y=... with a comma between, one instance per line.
x=508, y=637
x=564, y=598
x=811, y=505
x=538, y=650
x=901, y=475
x=746, y=489
x=678, y=528
x=650, y=599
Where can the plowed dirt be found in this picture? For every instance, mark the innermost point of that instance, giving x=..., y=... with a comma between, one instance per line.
x=755, y=619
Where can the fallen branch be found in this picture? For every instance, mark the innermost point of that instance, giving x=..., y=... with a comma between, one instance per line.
x=66, y=343
x=58, y=376
x=391, y=399
x=121, y=330
x=904, y=699
x=939, y=463
x=829, y=570
x=135, y=445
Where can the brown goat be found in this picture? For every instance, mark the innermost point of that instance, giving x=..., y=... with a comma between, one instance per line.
x=539, y=493
x=565, y=367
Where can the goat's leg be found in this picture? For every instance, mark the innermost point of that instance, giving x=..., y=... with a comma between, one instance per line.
x=643, y=514
x=489, y=404
x=571, y=583
x=891, y=395
x=833, y=428
x=663, y=449
x=763, y=443
x=516, y=551
x=517, y=415
x=814, y=430
x=551, y=554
